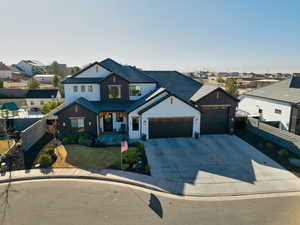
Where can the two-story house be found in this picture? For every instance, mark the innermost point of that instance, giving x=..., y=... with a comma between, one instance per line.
x=278, y=103
x=109, y=97
x=31, y=67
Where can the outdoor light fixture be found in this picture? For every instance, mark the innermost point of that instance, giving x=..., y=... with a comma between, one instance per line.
x=145, y=122
x=64, y=124
x=90, y=123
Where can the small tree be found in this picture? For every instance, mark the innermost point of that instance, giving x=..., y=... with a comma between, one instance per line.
x=231, y=86
x=1, y=83
x=75, y=69
x=54, y=67
x=220, y=80
x=56, y=81
x=33, y=84
x=46, y=108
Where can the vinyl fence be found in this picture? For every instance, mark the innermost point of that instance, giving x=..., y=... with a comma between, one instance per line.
x=33, y=133
x=283, y=138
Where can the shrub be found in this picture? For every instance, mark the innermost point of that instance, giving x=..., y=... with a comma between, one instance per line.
x=70, y=139
x=50, y=151
x=131, y=156
x=283, y=152
x=85, y=141
x=45, y=160
x=140, y=147
x=100, y=144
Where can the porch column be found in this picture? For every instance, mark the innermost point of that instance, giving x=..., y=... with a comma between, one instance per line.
x=98, y=124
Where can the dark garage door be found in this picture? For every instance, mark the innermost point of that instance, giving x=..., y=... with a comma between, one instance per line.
x=170, y=127
x=214, y=120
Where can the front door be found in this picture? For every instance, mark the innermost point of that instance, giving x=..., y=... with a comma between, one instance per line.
x=108, y=122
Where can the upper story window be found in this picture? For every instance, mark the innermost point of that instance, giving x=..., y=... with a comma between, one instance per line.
x=75, y=88
x=90, y=88
x=114, y=91
x=277, y=111
x=83, y=88
x=135, y=90
x=135, y=123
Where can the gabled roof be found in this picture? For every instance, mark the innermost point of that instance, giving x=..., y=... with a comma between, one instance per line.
x=11, y=93
x=126, y=72
x=146, y=98
x=34, y=62
x=287, y=90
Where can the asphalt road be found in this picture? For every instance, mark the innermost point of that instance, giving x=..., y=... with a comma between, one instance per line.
x=84, y=203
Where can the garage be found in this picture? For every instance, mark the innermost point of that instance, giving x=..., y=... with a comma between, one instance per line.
x=170, y=127
x=214, y=119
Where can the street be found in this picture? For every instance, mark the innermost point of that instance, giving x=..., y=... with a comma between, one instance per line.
x=88, y=203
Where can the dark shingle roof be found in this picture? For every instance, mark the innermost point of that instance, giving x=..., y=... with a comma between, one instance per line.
x=10, y=93
x=98, y=106
x=88, y=80
x=42, y=93
x=126, y=72
x=287, y=90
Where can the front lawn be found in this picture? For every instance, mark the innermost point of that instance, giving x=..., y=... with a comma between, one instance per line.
x=79, y=156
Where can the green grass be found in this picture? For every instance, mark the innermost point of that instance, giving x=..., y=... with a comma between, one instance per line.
x=78, y=156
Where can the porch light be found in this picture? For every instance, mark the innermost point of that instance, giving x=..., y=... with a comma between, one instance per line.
x=145, y=122
x=64, y=124
x=90, y=123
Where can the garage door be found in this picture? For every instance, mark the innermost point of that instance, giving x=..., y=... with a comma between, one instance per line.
x=170, y=127
x=214, y=120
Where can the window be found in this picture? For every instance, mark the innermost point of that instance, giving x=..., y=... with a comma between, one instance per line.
x=31, y=102
x=42, y=102
x=277, y=111
x=78, y=124
x=90, y=88
x=119, y=117
x=135, y=123
x=135, y=90
x=83, y=88
x=114, y=91
x=75, y=88
x=260, y=111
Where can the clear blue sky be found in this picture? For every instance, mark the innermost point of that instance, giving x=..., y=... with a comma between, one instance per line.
x=221, y=35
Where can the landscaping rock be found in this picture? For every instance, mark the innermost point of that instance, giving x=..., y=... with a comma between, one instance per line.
x=295, y=162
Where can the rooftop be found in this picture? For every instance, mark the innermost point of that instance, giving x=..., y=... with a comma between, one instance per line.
x=11, y=93
x=287, y=90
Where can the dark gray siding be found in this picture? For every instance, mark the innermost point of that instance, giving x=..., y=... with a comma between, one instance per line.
x=215, y=98
x=119, y=81
x=295, y=120
x=64, y=117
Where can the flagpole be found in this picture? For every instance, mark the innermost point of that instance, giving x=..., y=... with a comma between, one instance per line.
x=121, y=161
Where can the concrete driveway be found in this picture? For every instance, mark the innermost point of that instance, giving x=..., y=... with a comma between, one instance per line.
x=216, y=164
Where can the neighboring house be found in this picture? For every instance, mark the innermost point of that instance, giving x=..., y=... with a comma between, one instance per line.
x=30, y=99
x=109, y=97
x=276, y=103
x=44, y=78
x=31, y=67
x=5, y=72
x=61, y=69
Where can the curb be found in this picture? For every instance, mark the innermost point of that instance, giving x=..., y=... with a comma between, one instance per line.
x=149, y=189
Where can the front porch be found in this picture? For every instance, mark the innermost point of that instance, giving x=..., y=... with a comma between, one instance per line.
x=109, y=123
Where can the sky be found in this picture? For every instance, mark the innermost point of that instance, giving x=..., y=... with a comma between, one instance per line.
x=184, y=35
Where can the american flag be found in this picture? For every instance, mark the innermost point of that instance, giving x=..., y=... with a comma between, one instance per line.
x=124, y=146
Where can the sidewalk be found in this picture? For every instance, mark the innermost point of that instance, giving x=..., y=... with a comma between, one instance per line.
x=160, y=185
